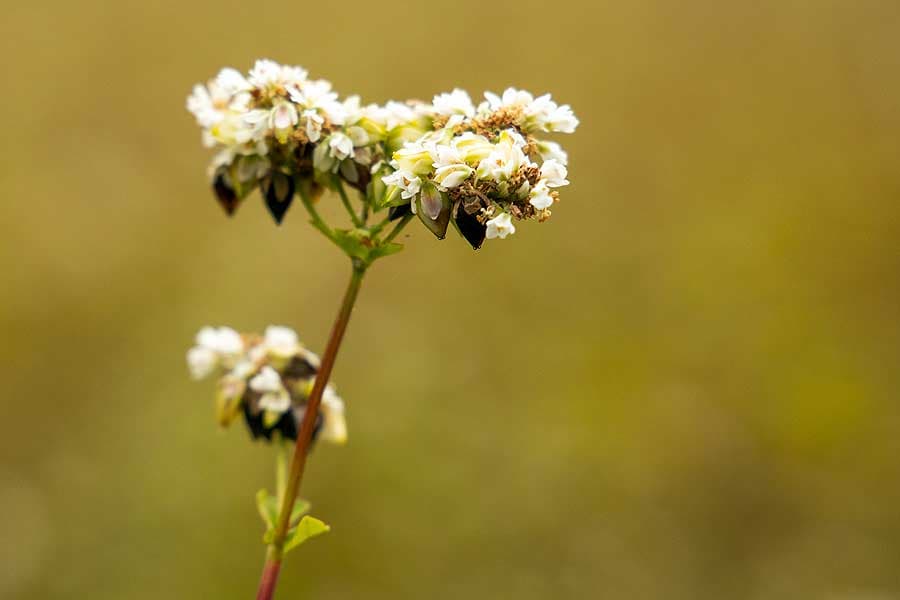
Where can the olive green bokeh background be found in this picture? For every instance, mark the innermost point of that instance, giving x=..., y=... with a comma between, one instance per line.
x=683, y=386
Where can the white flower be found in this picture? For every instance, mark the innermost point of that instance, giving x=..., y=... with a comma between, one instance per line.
x=201, y=105
x=282, y=119
x=472, y=148
x=201, y=361
x=214, y=347
x=292, y=76
x=275, y=398
x=511, y=97
x=413, y=158
x=540, y=196
x=281, y=341
x=359, y=135
x=267, y=74
x=452, y=176
x=340, y=146
x=408, y=183
x=552, y=150
x=456, y=102
x=313, y=94
x=550, y=117
x=223, y=340
x=267, y=380
x=231, y=82
x=540, y=114
x=313, y=122
x=500, y=227
x=334, y=426
x=554, y=173
x=226, y=93
x=505, y=159
x=343, y=113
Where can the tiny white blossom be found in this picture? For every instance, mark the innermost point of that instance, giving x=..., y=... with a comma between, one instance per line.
x=274, y=398
x=275, y=402
x=413, y=158
x=222, y=340
x=552, y=150
x=555, y=118
x=456, y=102
x=201, y=361
x=282, y=120
x=281, y=341
x=500, y=227
x=214, y=347
x=511, y=97
x=540, y=197
x=554, y=173
x=267, y=74
x=408, y=183
x=334, y=427
x=505, y=159
x=340, y=146
x=231, y=82
x=313, y=123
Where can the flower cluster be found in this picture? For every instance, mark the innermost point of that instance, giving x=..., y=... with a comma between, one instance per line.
x=483, y=166
x=267, y=379
x=480, y=167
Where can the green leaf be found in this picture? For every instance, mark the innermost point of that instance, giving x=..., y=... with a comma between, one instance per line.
x=385, y=250
x=267, y=505
x=301, y=507
x=354, y=242
x=309, y=527
x=269, y=508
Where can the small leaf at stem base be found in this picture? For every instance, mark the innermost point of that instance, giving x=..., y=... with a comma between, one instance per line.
x=309, y=527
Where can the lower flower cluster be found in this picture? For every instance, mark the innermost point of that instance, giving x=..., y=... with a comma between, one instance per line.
x=267, y=380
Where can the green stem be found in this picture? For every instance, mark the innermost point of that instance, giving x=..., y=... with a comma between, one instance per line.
x=275, y=551
x=397, y=228
x=281, y=469
x=315, y=218
x=376, y=229
x=346, y=201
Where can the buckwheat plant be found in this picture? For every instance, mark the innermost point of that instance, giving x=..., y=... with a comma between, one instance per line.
x=482, y=168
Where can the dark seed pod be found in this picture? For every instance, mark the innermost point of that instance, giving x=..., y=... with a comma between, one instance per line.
x=225, y=193
x=278, y=191
x=288, y=425
x=469, y=227
x=299, y=368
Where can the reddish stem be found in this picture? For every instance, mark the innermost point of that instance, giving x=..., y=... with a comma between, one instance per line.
x=269, y=579
x=304, y=437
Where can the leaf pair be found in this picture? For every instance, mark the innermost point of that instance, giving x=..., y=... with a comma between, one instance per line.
x=357, y=244
x=302, y=526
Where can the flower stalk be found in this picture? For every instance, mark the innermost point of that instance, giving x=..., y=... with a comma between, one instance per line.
x=275, y=551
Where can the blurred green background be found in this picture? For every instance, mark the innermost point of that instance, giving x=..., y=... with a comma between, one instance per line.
x=683, y=386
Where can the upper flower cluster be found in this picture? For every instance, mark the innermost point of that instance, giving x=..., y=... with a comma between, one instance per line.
x=484, y=166
x=480, y=167
x=268, y=378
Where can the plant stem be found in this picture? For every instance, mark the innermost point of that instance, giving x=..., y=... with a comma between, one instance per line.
x=315, y=219
x=275, y=551
x=397, y=229
x=353, y=216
